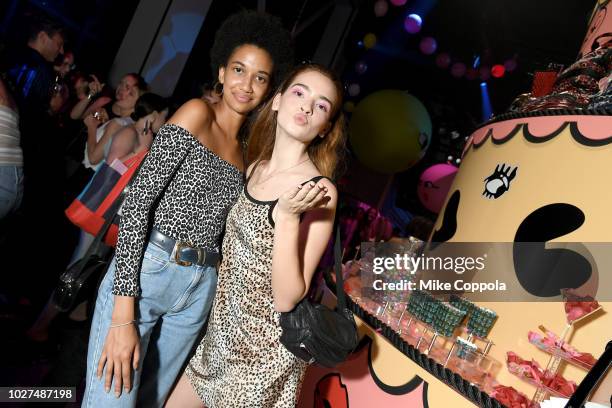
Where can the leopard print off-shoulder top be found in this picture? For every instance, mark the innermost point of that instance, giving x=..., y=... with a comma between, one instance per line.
x=192, y=208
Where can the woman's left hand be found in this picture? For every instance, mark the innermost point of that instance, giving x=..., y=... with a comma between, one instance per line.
x=303, y=198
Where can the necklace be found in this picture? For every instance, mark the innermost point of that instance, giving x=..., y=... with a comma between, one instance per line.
x=274, y=173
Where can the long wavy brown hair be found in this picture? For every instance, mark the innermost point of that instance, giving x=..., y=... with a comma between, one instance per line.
x=326, y=153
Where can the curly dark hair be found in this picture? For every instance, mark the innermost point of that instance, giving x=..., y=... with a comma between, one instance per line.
x=259, y=29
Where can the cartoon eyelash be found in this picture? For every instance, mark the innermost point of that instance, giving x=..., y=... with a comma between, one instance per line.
x=499, y=182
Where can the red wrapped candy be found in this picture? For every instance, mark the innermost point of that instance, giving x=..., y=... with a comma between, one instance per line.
x=512, y=398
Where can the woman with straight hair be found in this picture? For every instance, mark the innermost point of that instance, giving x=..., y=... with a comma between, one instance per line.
x=275, y=236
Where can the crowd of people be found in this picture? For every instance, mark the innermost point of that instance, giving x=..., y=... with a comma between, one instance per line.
x=224, y=225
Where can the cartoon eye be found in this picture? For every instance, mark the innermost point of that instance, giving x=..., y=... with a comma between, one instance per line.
x=499, y=182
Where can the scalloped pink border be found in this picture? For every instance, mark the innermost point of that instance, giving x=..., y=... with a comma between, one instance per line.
x=594, y=127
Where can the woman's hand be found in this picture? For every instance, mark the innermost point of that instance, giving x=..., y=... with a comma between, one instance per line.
x=91, y=121
x=302, y=198
x=94, y=86
x=96, y=119
x=120, y=354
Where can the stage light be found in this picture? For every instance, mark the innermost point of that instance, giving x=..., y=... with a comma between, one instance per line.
x=443, y=60
x=361, y=67
x=487, y=109
x=369, y=41
x=498, y=71
x=380, y=8
x=476, y=63
x=413, y=23
x=458, y=69
x=428, y=45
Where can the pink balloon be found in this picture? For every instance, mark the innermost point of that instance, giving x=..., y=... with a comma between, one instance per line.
x=398, y=2
x=434, y=184
x=380, y=8
x=458, y=69
x=428, y=45
x=412, y=23
x=443, y=60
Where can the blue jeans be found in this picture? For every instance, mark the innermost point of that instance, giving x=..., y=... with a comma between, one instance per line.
x=11, y=189
x=171, y=311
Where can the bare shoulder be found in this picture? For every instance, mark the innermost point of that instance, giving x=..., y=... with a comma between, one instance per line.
x=113, y=126
x=194, y=115
x=332, y=191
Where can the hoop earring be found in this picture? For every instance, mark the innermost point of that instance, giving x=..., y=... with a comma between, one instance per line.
x=218, y=88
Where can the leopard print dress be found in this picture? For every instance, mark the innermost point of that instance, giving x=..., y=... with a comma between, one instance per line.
x=241, y=362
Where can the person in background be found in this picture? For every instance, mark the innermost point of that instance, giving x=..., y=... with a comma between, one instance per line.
x=211, y=94
x=102, y=124
x=30, y=78
x=157, y=293
x=11, y=157
x=65, y=66
x=102, y=119
x=376, y=227
x=149, y=115
x=31, y=70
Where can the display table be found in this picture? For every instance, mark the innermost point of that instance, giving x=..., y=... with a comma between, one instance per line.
x=386, y=371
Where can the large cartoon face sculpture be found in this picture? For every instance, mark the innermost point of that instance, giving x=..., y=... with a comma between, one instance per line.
x=540, y=179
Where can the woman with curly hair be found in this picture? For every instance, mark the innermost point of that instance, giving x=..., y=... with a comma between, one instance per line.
x=276, y=234
x=151, y=307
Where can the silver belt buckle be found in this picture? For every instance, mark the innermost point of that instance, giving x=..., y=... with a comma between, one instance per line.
x=177, y=252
